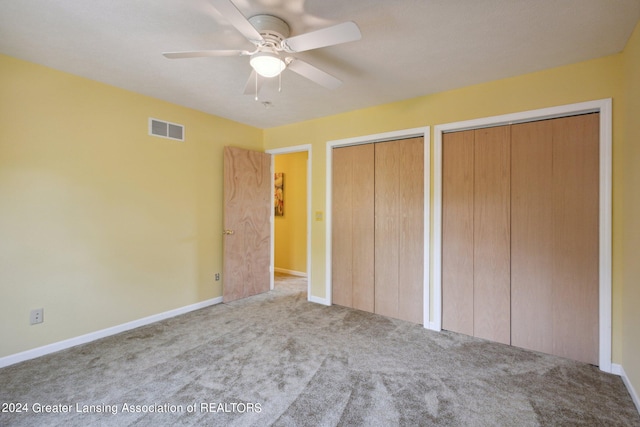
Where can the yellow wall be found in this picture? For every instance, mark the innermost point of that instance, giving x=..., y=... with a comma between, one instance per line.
x=591, y=80
x=291, y=229
x=100, y=223
x=630, y=183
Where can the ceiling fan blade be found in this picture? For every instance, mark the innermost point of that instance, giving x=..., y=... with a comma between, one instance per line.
x=330, y=36
x=237, y=19
x=250, y=86
x=205, y=53
x=314, y=74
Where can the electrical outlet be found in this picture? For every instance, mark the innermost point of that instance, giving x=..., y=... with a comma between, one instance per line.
x=217, y=277
x=37, y=316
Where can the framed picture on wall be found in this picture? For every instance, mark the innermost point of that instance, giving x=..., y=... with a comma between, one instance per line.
x=278, y=193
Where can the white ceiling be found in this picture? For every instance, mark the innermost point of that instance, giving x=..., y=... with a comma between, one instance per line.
x=409, y=48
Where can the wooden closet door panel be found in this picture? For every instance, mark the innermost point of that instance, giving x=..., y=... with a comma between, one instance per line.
x=532, y=236
x=457, y=232
x=387, y=227
x=352, y=226
x=575, y=237
x=399, y=229
x=363, y=227
x=342, y=227
x=492, y=260
x=411, y=244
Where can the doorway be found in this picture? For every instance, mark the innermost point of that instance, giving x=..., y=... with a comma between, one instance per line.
x=291, y=223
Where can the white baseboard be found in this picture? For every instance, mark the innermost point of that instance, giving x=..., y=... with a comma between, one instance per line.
x=432, y=326
x=318, y=300
x=291, y=272
x=619, y=370
x=83, y=339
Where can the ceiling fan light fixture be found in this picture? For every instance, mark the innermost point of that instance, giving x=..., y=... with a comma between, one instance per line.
x=267, y=64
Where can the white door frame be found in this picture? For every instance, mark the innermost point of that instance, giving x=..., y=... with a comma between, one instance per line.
x=289, y=150
x=602, y=106
x=424, y=132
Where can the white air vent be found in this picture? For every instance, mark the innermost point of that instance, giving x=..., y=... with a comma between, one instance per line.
x=166, y=130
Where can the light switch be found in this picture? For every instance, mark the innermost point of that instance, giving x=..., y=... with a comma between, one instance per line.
x=318, y=215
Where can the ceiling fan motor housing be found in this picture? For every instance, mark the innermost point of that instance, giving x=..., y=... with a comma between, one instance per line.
x=271, y=28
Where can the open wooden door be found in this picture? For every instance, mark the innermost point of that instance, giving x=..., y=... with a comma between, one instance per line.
x=247, y=229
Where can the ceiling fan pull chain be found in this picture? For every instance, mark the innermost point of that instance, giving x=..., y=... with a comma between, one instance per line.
x=256, y=86
x=279, y=82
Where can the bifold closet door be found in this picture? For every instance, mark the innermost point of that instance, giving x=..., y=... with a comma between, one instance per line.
x=532, y=236
x=399, y=229
x=476, y=233
x=491, y=234
x=520, y=235
x=457, y=232
x=555, y=236
x=352, y=228
x=576, y=237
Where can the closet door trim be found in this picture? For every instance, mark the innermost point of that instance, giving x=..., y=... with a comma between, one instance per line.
x=423, y=132
x=602, y=106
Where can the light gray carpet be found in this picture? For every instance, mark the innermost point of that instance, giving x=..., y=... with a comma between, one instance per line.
x=303, y=364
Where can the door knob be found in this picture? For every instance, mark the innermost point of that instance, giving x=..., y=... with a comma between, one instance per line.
x=228, y=232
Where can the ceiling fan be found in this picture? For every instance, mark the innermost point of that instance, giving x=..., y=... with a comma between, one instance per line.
x=270, y=35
